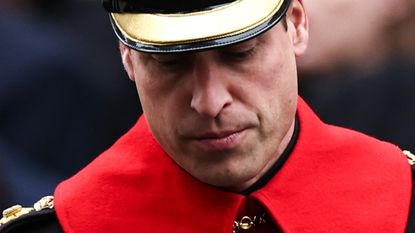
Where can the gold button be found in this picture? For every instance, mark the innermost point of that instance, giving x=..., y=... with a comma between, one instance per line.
x=246, y=223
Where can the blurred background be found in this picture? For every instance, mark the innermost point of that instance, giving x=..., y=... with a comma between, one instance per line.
x=64, y=96
x=359, y=69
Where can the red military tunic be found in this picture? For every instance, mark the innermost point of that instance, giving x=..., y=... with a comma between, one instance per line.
x=334, y=180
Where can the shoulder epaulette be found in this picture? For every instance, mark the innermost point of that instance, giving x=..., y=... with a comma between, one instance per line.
x=39, y=218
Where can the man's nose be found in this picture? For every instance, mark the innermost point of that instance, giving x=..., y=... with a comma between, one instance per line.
x=210, y=94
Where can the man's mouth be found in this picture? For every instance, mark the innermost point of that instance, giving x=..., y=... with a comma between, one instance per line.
x=213, y=141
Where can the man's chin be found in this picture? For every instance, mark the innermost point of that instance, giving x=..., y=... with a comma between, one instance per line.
x=234, y=179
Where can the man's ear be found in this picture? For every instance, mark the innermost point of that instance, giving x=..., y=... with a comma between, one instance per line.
x=127, y=61
x=298, y=26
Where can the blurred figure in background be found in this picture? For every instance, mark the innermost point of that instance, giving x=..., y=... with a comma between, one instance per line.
x=359, y=70
x=63, y=94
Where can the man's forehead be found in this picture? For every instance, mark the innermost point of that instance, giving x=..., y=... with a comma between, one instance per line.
x=209, y=24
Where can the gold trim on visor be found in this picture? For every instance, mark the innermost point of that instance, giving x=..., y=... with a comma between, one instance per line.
x=172, y=29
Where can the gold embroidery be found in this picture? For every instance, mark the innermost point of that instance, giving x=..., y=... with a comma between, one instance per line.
x=44, y=203
x=14, y=212
x=410, y=157
x=18, y=211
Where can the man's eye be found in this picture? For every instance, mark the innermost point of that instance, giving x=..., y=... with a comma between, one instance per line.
x=167, y=60
x=240, y=55
x=168, y=63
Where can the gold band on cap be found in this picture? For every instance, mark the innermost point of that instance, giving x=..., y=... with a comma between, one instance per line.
x=173, y=29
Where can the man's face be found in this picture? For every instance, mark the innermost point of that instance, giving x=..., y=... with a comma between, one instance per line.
x=223, y=115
